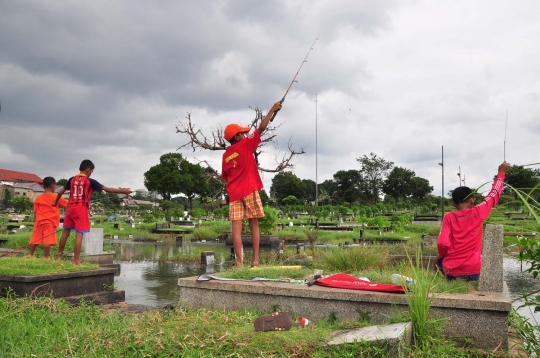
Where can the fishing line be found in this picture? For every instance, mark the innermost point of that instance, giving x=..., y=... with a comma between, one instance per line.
x=42, y=240
x=294, y=79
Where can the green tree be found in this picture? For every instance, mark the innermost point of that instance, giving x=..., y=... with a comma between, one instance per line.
x=265, y=200
x=61, y=182
x=398, y=183
x=285, y=184
x=21, y=203
x=374, y=170
x=193, y=181
x=310, y=189
x=176, y=175
x=348, y=186
x=328, y=192
x=7, y=196
x=521, y=178
x=420, y=188
x=165, y=177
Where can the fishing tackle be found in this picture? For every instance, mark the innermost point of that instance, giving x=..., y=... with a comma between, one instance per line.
x=294, y=79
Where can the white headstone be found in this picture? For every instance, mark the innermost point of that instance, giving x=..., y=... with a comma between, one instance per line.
x=93, y=242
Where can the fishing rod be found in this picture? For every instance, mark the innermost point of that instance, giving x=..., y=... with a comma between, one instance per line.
x=294, y=79
x=530, y=165
x=504, y=144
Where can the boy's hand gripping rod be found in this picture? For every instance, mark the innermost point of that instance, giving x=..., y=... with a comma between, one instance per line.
x=294, y=79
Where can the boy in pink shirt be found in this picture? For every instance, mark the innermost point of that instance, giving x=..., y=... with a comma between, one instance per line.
x=460, y=241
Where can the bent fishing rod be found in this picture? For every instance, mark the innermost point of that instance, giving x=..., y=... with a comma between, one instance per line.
x=294, y=79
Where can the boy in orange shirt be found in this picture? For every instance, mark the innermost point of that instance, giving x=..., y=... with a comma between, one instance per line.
x=46, y=218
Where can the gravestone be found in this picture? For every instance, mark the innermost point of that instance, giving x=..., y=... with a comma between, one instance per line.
x=207, y=258
x=92, y=248
x=491, y=273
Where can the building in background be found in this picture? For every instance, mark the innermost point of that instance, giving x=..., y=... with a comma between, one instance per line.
x=19, y=184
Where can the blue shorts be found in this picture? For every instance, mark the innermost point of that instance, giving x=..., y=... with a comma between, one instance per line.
x=450, y=278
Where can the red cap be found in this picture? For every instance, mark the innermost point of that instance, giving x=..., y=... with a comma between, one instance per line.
x=233, y=129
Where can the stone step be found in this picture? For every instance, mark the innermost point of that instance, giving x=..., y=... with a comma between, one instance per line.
x=394, y=335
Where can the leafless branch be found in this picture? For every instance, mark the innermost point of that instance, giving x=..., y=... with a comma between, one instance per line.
x=286, y=162
x=198, y=140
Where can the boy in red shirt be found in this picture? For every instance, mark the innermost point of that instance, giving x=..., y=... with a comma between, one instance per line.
x=460, y=240
x=46, y=218
x=80, y=190
x=241, y=172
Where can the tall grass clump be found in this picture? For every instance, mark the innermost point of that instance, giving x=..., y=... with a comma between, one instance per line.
x=420, y=296
x=530, y=251
x=204, y=233
x=354, y=259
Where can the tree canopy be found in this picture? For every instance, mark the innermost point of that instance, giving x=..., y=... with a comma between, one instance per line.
x=285, y=184
x=374, y=171
x=176, y=175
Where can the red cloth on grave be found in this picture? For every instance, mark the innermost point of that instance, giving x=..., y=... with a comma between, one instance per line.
x=343, y=280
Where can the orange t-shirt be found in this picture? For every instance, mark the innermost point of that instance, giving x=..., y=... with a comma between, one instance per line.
x=45, y=212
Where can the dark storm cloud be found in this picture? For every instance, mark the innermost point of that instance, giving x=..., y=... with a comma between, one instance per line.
x=110, y=80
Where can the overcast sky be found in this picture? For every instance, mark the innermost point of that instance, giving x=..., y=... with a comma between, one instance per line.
x=109, y=81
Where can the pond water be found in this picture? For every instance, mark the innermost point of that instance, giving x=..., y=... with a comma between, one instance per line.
x=151, y=282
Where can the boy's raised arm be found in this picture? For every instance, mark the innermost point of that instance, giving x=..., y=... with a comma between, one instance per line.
x=276, y=107
x=116, y=190
x=58, y=196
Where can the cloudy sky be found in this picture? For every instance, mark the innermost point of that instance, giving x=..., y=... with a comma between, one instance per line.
x=110, y=80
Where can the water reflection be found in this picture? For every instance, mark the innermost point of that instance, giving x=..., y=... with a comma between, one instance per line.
x=147, y=280
x=152, y=282
x=519, y=282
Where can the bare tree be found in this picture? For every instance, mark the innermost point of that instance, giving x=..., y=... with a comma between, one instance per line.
x=215, y=141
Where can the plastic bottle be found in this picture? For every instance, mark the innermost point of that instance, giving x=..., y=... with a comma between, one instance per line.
x=401, y=280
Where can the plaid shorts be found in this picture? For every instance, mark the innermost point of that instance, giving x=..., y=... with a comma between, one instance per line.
x=248, y=207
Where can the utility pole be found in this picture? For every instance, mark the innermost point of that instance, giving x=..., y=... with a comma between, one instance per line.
x=459, y=175
x=316, y=169
x=442, y=175
x=463, y=179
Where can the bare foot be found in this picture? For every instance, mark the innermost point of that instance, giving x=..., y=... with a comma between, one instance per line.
x=237, y=265
x=59, y=256
x=76, y=263
x=254, y=263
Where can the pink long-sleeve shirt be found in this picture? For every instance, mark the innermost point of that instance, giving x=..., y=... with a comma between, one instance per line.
x=460, y=239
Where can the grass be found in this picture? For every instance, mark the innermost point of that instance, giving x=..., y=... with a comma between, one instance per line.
x=48, y=328
x=293, y=273
x=28, y=266
x=59, y=330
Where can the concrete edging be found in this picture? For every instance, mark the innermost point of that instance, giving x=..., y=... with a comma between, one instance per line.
x=479, y=316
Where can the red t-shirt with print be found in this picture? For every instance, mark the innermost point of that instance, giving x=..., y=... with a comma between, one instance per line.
x=239, y=168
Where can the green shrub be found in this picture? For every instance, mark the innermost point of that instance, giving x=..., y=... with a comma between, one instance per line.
x=267, y=224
